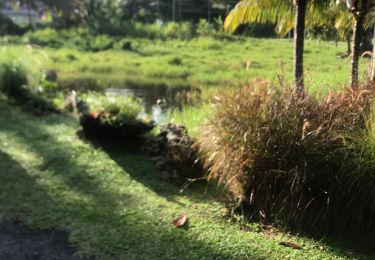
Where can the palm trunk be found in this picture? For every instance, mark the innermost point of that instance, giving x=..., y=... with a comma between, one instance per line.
x=299, y=37
x=348, y=42
x=356, y=50
x=373, y=58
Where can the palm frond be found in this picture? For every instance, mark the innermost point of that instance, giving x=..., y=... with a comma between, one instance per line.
x=251, y=11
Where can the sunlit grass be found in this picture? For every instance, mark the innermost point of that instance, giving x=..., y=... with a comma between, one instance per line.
x=191, y=117
x=203, y=62
x=113, y=205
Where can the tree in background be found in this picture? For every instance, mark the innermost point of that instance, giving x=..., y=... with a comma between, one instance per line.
x=359, y=9
x=279, y=12
x=371, y=24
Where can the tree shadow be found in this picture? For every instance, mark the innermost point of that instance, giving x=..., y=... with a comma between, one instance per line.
x=18, y=190
x=128, y=155
x=65, y=191
x=69, y=191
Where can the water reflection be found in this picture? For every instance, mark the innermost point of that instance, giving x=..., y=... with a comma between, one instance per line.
x=157, y=113
x=159, y=100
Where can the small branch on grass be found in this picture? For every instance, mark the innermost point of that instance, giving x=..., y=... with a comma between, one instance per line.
x=191, y=181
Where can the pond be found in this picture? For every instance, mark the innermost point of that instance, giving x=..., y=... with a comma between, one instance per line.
x=159, y=100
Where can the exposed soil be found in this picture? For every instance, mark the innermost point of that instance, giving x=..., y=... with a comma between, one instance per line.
x=19, y=242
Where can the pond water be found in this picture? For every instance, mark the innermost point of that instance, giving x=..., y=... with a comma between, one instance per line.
x=158, y=101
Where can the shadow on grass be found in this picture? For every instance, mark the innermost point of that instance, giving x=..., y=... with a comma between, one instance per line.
x=18, y=191
x=80, y=189
x=128, y=156
x=68, y=191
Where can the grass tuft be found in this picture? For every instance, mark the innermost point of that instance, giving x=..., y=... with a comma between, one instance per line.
x=294, y=158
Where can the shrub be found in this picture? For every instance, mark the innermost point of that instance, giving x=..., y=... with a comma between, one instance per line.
x=289, y=157
x=111, y=117
x=46, y=37
x=204, y=28
x=13, y=80
x=100, y=43
x=14, y=83
x=113, y=109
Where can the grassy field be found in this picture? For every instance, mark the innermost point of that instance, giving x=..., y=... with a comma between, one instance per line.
x=200, y=62
x=109, y=198
x=114, y=206
x=206, y=63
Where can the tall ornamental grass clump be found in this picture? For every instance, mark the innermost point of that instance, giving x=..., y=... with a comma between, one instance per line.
x=294, y=159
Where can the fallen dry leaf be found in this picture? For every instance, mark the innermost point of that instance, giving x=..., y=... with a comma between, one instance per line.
x=180, y=221
x=288, y=244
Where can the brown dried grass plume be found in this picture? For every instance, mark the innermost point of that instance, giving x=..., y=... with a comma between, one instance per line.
x=288, y=156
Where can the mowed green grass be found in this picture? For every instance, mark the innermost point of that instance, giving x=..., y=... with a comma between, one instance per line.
x=113, y=205
x=200, y=62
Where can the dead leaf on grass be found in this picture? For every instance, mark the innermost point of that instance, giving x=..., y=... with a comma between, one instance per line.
x=180, y=221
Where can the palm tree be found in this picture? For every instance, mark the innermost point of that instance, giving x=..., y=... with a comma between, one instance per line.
x=362, y=10
x=359, y=9
x=281, y=13
x=352, y=22
x=371, y=23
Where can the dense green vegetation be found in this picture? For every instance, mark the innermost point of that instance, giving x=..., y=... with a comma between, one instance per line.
x=200, y=62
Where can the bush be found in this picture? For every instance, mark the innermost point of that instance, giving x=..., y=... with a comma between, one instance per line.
x=13, y=81
x=113, y=109
x=100, y=43
x=46, y=37
x=307, y=162
x=204, y=28
x=112, y=117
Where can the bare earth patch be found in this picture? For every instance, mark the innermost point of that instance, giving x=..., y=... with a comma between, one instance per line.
x=19, y=242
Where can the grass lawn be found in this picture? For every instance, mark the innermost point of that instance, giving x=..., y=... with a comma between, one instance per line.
x=113, y=205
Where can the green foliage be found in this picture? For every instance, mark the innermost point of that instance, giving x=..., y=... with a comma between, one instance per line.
x=100, y=43
x=74, y=38
x=192, y=117
x=294, y=158
x=276, y=12
x=13, y=80
x=204, y=28
x=113, y=110
x=46, y=37
x=46, y=83
x=206, y=62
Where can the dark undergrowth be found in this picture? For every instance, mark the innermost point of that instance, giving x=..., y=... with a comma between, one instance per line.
x=14, y=83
